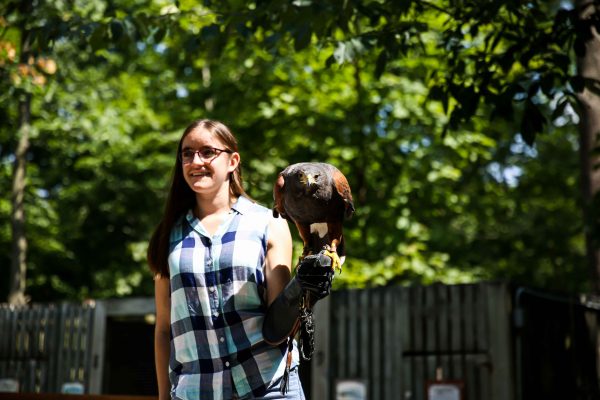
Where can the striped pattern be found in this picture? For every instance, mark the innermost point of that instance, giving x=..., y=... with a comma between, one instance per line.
x=217, y=311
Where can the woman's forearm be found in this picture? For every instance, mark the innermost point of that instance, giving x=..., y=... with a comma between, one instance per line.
x=161, y=357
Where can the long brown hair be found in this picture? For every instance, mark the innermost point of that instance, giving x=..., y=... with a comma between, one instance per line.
x=181, y=198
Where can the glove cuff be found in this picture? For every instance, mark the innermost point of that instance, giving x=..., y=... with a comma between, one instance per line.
x=282, y=315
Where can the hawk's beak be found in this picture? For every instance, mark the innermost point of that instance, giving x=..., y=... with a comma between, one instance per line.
x=309, y=181
x=303, y=179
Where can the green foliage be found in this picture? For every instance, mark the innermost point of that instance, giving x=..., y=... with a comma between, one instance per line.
x=415, y=105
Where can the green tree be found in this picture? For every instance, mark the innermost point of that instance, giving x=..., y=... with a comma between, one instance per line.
x=410, y=183
x=26, y=75
x=515, y=57
x=441, y=194
x=587, y=49
x=62, y=135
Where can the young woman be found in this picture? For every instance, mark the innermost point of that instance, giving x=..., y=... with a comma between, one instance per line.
x=220, y=262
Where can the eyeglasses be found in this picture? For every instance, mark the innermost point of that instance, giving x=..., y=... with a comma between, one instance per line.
x=206, y=154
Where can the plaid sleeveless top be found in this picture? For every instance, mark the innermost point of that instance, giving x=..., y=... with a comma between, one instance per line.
x=217, y=308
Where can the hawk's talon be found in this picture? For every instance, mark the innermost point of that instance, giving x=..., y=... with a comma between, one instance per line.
x=336, y=263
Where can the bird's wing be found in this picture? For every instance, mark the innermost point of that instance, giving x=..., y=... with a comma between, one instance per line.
x=343, y=189
x=279, y=197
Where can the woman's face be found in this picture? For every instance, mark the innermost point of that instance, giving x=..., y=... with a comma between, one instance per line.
x=204, y=172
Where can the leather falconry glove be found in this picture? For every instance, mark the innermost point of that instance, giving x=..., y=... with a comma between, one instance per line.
x=313, y=275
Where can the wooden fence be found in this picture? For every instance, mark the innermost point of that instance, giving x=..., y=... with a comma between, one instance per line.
x=498, y=343
x=45, y=346
x=396, y=339
x=557, y=346
x=393, y=339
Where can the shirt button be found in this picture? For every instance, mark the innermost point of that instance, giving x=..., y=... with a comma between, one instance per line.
x=227, y=363
x=221, y=339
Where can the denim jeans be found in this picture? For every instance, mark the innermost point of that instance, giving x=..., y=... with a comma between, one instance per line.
x=294, y=392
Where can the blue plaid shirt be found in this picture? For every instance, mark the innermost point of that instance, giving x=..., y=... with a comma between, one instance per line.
x=217, y=311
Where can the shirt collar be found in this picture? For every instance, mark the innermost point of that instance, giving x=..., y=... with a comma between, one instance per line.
x=242, y=205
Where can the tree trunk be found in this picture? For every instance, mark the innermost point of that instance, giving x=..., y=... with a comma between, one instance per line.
x=18, y=268
x=588, y=66
x=19, y=241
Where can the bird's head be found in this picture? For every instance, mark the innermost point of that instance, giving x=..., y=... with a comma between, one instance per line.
x=308, y=180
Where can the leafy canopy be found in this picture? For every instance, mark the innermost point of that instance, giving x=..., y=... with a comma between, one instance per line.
x=429, y=108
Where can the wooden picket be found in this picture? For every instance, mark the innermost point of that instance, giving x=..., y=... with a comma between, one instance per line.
x=395, y=339
x=45, y=346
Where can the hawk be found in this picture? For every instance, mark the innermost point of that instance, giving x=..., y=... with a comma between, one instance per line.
x=316, y=197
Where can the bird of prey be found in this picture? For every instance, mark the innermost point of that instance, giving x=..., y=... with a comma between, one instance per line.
x=316, y=197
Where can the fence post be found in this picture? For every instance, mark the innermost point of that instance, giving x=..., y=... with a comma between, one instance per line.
x=97, y=342
x=499, y=319
x=320, y=364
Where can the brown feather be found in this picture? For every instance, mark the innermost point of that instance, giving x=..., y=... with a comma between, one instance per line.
x=278, y=196
x=311, y=193
x=343, y=189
